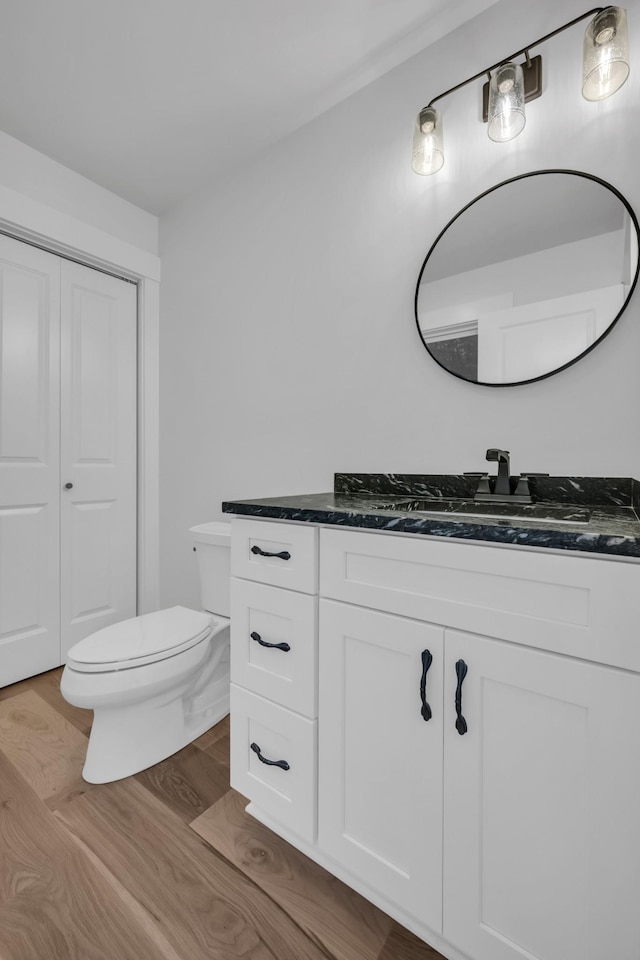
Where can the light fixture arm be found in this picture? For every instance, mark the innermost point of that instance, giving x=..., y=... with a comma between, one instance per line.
x=525, y=50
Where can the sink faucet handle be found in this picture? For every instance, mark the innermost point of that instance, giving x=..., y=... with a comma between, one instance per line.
x=522, y=486
x=502, y=456
x=484, y=487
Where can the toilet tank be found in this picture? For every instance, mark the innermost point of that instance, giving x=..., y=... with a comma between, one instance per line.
x=212, y=543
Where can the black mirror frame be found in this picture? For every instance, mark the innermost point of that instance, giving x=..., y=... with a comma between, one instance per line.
x=524, y=176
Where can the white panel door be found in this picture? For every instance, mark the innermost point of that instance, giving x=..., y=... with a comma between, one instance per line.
x=380, y=754
x=97, y=451
x=527, y=341
x=541, y=826
x=29, y=461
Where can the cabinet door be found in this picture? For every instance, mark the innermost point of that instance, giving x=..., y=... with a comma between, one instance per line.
x=380, y=762
x=541, y=826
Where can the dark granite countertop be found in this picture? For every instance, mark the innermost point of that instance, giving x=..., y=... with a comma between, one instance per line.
x=597, y=515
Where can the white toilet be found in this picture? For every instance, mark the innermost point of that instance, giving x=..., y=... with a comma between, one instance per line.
x=156, y=682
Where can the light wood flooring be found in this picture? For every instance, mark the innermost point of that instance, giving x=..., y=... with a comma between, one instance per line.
x=165, y=865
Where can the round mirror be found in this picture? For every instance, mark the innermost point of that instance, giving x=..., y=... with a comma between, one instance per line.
x=528, y=277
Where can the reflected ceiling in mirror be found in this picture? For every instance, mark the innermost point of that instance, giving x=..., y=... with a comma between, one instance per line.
x=528, y=277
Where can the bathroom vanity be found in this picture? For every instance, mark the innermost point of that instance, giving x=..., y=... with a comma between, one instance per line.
x=445, y=713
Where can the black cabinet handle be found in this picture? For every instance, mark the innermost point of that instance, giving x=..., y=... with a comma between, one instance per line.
x=270, y=763
x=427, y=660
x=283, y=555
x=274, y=646
x=461, y=672
x=68, y=486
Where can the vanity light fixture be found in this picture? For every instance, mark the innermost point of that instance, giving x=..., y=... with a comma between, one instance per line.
x=506, y=116
x=605, y=59
x=510, y=85
x=428, y=152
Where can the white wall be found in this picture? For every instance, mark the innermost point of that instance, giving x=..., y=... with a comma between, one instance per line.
x=289, y=348
x=557, y=272
x=38, y=177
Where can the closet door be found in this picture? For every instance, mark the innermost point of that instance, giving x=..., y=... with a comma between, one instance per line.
x=97, y=452
x=29, y=467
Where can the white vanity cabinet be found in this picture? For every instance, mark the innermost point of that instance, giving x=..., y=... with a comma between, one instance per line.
x=380, y=771
x=519, y=838
x=274, y=652
x=541, y=829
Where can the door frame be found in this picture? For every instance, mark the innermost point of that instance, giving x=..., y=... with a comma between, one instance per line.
x=33, y=222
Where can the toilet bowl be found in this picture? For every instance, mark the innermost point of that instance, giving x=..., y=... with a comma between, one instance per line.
x=158, y=681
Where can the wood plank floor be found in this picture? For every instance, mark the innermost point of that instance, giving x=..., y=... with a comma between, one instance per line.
x=163, y=865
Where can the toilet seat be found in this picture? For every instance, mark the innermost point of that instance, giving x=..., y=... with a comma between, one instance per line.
x=141, y=640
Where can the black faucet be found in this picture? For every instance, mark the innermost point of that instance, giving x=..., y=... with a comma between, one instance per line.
x=502, y=485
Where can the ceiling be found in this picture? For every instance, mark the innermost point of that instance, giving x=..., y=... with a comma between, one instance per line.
x=522, y=217
x=152, y=99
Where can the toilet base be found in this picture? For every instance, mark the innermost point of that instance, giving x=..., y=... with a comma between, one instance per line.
x=127, y=740
x=146, y=714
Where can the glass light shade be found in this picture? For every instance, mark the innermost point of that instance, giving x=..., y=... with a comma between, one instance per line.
x=605, y=61
x=506, y=102
x=428, y=151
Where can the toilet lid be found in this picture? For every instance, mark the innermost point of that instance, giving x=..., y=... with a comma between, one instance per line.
x=145, y=639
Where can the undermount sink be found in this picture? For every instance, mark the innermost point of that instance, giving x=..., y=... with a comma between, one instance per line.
x=534, y=512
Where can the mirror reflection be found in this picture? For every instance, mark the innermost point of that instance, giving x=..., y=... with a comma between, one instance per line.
x=527, y=278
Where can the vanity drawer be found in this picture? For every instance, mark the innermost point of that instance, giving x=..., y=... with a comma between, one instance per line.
x=285, y=669
x=288, y=795
x=576, y=605
x=253, y=543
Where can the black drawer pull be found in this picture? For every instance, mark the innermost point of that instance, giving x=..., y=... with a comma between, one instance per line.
x=283, y=555
x=461, y=672
x=270, y=763
x=274, y=646
x=427, y=660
